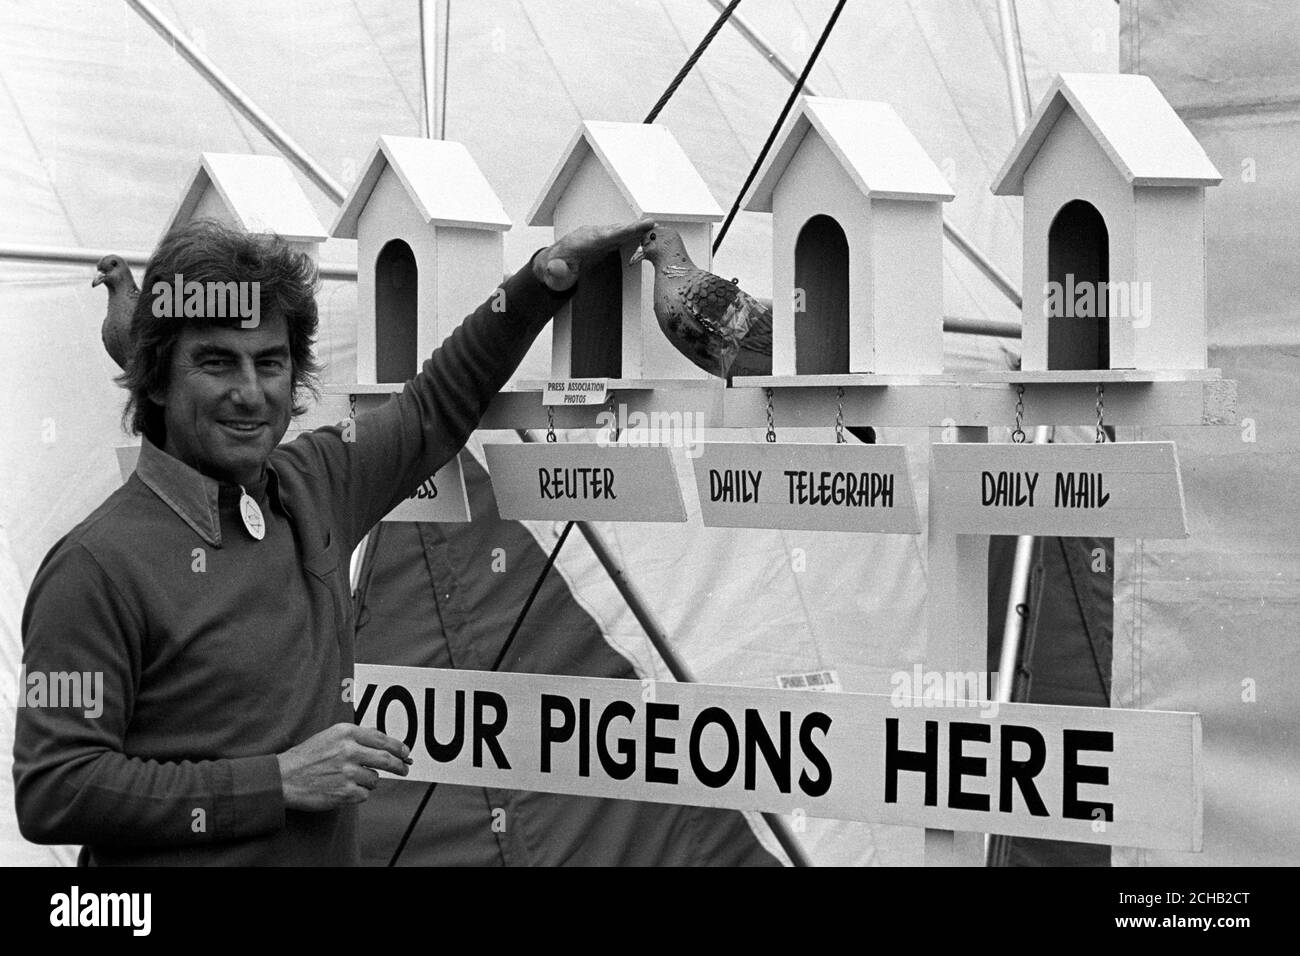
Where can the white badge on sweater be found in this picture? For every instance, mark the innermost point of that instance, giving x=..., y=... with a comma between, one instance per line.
x=252, y=515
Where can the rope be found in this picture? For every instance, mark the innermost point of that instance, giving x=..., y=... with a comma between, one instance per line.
x=496, y=664
x=780, y=121
x=690, y=62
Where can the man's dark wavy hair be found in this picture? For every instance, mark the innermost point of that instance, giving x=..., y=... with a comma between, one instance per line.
x=203, y=250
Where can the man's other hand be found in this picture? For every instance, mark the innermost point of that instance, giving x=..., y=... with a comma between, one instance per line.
x=558, y=267
x=337, y=766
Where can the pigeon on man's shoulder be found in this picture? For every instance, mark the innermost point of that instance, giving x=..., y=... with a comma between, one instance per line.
x=113, y=272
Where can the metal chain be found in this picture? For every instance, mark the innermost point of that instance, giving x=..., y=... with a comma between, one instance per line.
x=609, y=407
x=771, y=417
x=839, y=416
x=1101, y=431
x=1018, y=434
x=550, y=423
x=352, y=406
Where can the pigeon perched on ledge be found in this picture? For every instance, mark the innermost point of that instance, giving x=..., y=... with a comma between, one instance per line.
x=122, y=296
x=716, y=324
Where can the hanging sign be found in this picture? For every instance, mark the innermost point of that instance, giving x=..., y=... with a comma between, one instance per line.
x=442, y=497
x=1092, y=775
x=575, y=391
x=806, y=487
x=1121, y=489
x=585, y=482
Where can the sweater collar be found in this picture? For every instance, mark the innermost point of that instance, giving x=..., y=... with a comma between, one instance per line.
x=196, y=498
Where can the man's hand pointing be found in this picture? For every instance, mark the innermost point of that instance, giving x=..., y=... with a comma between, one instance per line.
x=559, y=266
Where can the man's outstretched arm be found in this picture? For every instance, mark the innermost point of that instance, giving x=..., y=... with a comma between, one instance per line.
x=401, y=443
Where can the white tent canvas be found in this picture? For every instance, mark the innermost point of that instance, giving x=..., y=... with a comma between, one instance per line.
x=84, y=168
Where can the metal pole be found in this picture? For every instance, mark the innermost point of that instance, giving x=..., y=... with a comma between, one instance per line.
x=81, y=256
x=1014, y=56
x=991, y=327
x=1013, y=626
x=964, y=245
x=233, y=95
x=983, y=263
x=428, y=68
x=757, y=41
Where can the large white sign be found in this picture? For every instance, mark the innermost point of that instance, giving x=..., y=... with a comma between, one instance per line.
x=1093, y=775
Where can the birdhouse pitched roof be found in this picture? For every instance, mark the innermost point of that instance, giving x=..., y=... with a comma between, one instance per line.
x=647, y=165
x=1131, y=121
x=441, y=178
x=259, y=191
x=875, y=147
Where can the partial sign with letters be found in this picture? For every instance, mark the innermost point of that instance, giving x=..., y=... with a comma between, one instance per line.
x=1092, y=775
x=1119, y=490
x=440, y=497
x=585, y=482
x=859, y=488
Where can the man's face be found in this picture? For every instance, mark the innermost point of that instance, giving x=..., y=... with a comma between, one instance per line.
x=224, y=380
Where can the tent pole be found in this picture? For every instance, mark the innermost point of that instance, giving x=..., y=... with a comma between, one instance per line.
x=983, y=263
x=994, y=328
x=676, y=666
x=428, y=67
x=81, y=256
x=1013, y=54
x=954, y=235
x=1013, y=625
x=236, y=98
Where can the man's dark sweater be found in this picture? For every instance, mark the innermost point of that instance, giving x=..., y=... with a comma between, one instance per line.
x=219, y=651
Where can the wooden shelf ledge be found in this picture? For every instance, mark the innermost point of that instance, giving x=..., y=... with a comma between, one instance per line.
x=976, y=399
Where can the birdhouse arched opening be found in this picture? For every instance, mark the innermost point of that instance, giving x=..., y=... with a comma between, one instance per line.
x=397, y=283
x=1078, y=274
x=597, y=320
x=821, y=305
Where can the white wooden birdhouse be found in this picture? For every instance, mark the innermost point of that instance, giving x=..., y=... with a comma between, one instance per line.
x=857, y=243
x=429, y=232
x=253, y=193
x=1114, y=228
x=613, y=172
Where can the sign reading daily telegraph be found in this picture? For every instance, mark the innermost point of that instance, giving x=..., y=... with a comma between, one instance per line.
x=861, y=488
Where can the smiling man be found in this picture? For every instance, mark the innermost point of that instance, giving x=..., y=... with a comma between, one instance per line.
x=226, y=432
x=211, y=589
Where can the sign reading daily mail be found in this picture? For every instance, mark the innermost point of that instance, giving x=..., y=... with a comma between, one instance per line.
x=1094, y=775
